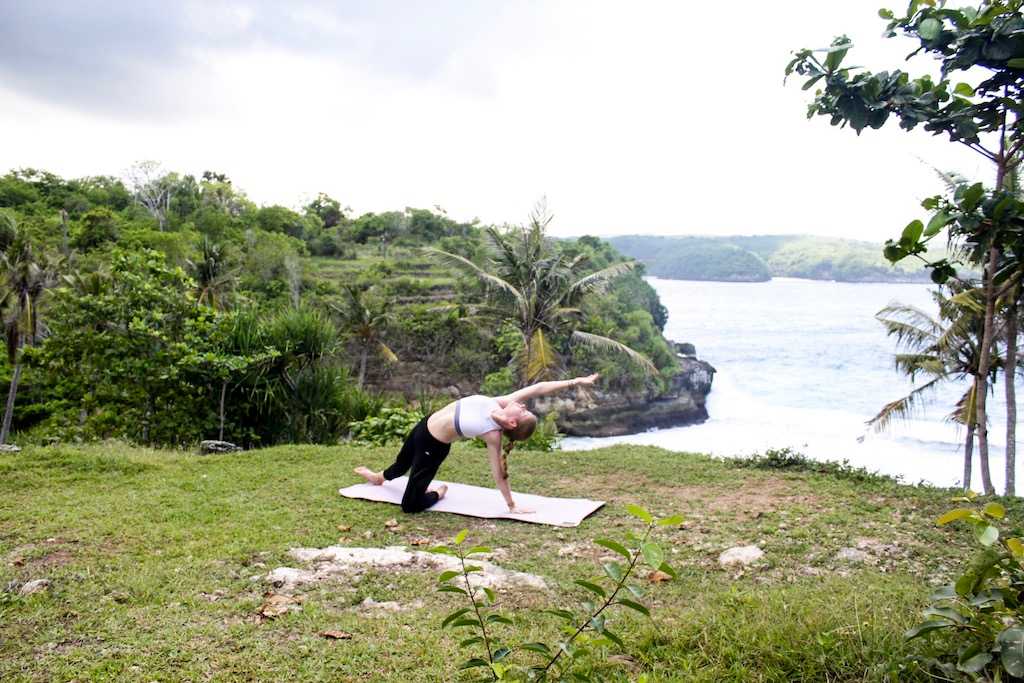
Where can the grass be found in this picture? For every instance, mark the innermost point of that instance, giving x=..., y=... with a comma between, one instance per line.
x=157, y=561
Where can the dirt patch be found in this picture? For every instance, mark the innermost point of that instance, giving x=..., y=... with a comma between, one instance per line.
x=754, y=497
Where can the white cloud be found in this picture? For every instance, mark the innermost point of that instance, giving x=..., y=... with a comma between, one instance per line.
x=649, y=117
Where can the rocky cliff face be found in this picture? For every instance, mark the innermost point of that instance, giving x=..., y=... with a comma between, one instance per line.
x=613, y=414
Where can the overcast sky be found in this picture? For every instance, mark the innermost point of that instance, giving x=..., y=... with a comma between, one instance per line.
x=631, y=117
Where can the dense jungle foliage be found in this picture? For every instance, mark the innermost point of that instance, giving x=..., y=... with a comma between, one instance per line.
x=166, y=308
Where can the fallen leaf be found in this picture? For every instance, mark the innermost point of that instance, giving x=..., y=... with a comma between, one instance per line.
x=367, y=534
x=420, y=541
x=391, y=524
x=658, y=576
x=275, y=604
x=344, y=527
x=624, y=660
x=18, y=562
x=343, y=539
x=336, y=635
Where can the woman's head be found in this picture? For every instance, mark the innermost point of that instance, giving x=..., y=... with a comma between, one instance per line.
x=523, y=429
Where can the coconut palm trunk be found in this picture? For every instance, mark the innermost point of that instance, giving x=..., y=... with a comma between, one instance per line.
x=9, y=410
x=1011, y=396
x=362, y=366
x=968, y=456
x=984, y=363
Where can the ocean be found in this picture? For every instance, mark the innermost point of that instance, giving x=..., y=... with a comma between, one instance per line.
x=804, y=364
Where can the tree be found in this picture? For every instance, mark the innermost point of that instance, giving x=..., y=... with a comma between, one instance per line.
x=985, y=117
x=531, y=282
x=214, y=281
x=126, y=351
x=942, y=349
x=151, y=186
x=365, y=319
x=98, y=227
x=327, y=209
x=25, y=281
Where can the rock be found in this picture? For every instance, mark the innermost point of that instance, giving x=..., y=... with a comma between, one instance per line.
x=9, y=448
x=385, y=606
x=741, y=555
x=685, y=350
x=34, y=587
x=600, y=413
x=340, y=561
x=852, y=556
x=214, y=446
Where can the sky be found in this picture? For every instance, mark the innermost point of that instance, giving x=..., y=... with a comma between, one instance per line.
x=630, y=118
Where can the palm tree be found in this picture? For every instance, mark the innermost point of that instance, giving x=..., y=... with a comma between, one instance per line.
x=214, y=282
x=533, y=284
x=24, y=281
x=943, y=349
x=365, y=320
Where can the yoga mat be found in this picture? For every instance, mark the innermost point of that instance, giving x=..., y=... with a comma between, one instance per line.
x=477, y=501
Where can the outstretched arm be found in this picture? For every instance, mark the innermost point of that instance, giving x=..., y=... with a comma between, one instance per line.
x=545, y=388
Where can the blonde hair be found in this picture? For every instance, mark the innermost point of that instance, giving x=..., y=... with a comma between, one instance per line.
x=521, y=432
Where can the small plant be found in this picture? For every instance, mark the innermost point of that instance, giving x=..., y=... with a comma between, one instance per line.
x=789, y=459
x=974, y=627
x=585, y=626
x=391, y=424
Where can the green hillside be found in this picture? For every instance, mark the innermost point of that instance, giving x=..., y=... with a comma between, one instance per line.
x=756, y=258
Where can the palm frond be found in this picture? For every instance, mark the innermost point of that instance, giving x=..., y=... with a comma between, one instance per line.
x=969, y=300
x=966, y=411
x=599, y=281
x=470, y=268
x=540, y=359
x=596, y=341
x=386, y=352
x=902, y=408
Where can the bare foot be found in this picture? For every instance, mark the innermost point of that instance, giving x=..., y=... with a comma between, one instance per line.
x=440, y=491
x=375, y=478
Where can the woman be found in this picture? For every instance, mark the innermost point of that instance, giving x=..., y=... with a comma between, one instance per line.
x=489, y=418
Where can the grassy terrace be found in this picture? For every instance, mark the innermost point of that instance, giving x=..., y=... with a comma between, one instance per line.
x=156, y=560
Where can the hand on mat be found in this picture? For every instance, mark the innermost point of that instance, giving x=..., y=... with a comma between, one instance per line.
x=516, y=510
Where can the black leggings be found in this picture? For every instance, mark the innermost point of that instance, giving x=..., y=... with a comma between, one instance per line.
x=424, y=455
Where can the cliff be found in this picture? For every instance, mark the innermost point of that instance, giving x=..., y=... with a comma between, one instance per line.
x=600, y=413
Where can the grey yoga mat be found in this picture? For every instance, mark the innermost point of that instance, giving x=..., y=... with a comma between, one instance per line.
x=477, y=501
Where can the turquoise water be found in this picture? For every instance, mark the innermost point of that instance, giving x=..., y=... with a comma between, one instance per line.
x=804, y=364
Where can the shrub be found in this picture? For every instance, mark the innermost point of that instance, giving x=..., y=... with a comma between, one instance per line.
x=392, y=424
x=974, y=628
x=788, y=459
x=499, y=383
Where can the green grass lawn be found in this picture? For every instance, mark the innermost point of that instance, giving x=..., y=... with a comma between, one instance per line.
x=157, y=561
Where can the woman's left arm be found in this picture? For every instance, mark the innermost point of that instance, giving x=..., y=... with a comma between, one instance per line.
x=493, y=440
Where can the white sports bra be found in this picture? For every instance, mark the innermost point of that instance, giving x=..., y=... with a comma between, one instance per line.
x=473, y=416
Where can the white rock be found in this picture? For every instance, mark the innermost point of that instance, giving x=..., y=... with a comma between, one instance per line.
x=34, y=586
x=741, y=555
x=9, y=448
x=334, y=561
x=852, y=555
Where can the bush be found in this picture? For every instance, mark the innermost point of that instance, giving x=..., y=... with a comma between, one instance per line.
x=392, y=424
x=788, y=459
x=974, y=628
x=499, y=383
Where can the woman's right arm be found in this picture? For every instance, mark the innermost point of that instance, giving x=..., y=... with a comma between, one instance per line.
x=545, y=388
